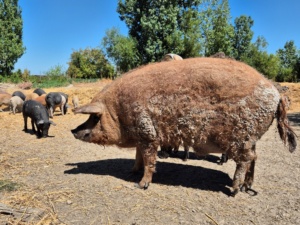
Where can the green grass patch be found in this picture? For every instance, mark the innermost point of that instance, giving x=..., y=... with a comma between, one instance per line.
x=6, y=185
x=49, y=81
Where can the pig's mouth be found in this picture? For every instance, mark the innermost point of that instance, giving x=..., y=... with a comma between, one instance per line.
x=82, y=135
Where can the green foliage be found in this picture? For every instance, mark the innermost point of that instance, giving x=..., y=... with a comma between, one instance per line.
x=192, y=28
x=50, y=82
x=289, y=61
x=160, y=27
x=121, y=50
x=285, y=75
x=242, y=36
x=217, y=30
x=54, y=77
x=191, y=44
x=25, y=75
x=56, y=71
x=257, y=57
x=297, y=67
x=11, y=31
x=89, y=63
x=15, y=77
x=288, y=55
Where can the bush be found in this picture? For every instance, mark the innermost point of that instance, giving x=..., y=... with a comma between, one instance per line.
x=55, y=77
x=15, y=77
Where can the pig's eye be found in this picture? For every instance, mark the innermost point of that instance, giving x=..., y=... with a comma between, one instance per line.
x=95, y=118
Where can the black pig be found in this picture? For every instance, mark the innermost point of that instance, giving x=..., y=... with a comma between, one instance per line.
x=39, y=116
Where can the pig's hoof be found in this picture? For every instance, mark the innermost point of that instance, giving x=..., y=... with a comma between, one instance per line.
x=234, y=192
x=243, y=188
x=145, y=186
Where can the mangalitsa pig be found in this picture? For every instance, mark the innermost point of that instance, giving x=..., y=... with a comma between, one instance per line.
x=212, y=105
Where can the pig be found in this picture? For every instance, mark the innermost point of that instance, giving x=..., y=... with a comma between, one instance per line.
x=39, y=117
x=75, y=101
x=166, y=151
x=39, y=91
x=213, y=105
x=56, y=99
x=5, y=99
x=20, y=94
x=31, y=96
x=16, y=103
x=171, y=56
x=41, y=99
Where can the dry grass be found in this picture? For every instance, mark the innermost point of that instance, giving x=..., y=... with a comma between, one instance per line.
x=294, y=95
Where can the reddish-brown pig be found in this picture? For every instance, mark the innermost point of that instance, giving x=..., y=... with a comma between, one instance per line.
x=212, y=105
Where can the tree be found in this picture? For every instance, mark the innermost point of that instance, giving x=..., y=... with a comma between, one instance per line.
x=288, y=55
x=25, y=75
x=56, y=71
x=121, y=50
x=89, y=63
x=159, y=26
x=288, y=60
x=242, y=35
x=192, y=41
x=11, y=32
x=217, y=30
x=258, y=57
x=297, y=67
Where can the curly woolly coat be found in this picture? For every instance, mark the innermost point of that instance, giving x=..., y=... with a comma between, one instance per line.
x=213, y=105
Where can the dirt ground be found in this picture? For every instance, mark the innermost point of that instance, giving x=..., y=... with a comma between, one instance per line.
x=62, y=180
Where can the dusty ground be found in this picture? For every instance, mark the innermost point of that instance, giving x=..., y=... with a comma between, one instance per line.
x=65, y=181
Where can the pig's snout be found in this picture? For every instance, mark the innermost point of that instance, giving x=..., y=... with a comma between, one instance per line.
x=81, y=134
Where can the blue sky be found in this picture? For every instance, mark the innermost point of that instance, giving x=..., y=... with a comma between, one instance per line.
x=53, y=29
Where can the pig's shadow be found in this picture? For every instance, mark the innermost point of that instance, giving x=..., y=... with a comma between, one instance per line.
x=167, y=174
x=30, y=131
x=294, y=118
x=192, y=156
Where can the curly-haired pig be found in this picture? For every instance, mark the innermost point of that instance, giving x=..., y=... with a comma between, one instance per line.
x=213, y=105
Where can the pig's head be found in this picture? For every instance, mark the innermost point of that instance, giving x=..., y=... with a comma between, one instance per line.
x=44, y=126
x=98, y=127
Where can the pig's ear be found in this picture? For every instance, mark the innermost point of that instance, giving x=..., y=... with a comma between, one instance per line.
x=95, y=107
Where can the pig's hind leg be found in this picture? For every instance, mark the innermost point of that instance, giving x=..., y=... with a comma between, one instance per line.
x=244, y=173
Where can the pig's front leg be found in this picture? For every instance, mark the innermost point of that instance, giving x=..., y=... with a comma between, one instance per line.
x=148, y=153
